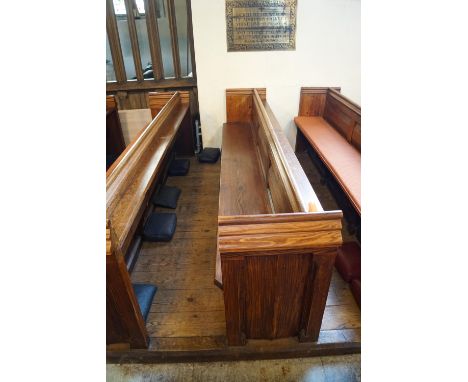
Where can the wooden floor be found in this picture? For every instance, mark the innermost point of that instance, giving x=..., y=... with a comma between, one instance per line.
x=188, y=309
x=187, y=313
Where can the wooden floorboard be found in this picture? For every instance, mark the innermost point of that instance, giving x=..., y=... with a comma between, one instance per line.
x=186, y=320
x=188, y=309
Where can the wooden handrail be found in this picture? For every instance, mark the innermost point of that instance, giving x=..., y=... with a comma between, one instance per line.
x=301, y=201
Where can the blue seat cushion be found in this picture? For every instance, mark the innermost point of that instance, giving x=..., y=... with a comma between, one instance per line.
x=144, y=294
x=160, y=226
x=179, y=167
x=209, y=155
x=166, y=197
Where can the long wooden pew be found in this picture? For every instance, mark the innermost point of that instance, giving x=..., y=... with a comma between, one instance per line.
x=276, y=245
x=130, y=182
x=329, y=128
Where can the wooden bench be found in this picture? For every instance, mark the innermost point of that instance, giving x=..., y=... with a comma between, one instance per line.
x=130, y=182
x=276, y=245
x=330, y=125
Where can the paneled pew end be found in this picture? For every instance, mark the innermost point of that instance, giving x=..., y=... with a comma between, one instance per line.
x=130, y=184
x=276, y=245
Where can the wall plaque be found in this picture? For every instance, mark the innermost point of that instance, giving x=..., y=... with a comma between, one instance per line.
x=261, y=25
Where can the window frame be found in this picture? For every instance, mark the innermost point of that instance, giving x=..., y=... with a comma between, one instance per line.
x=150, y=15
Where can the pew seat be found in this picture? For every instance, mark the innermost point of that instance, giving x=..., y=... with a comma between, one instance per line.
x=330, y=125
x=241, y=191
x=341, y=158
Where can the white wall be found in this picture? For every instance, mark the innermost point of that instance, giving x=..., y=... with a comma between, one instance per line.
x=327, y=53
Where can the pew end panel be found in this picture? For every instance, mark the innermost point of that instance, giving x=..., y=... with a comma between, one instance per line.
x=276, y=245
x=276, y=271
x=124, y=321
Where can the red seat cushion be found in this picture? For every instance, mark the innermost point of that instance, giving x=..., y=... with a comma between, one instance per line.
x=348, y=261
x=342, y=159
x=356, y=290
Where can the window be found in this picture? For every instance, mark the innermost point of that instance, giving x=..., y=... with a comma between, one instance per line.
x=149, y=41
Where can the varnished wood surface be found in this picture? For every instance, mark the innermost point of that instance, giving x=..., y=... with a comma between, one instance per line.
x=297, y=192
x=129, y=185
x=306, y=194
x=241, y=188
x=334, y=132
x=125, y=326
x=261, y=266
x=130, y=181
x=342, y=113
x=186, y=319
x=341, y=158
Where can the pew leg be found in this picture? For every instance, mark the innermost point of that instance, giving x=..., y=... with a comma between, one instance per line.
x=321, y=272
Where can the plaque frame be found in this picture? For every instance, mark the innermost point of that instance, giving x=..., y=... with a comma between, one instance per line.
x=260, y=45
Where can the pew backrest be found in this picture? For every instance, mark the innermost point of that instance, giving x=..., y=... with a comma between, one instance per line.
x=340, y=112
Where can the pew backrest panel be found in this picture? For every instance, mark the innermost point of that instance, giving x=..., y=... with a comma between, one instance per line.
x=340, y=112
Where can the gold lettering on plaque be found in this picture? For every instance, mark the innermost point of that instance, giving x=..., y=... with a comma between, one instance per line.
x=261, y=25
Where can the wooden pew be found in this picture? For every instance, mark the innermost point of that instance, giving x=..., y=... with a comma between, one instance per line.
x=130, y=182
x=329, y=127
x=115, y=142
x=276, y=245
